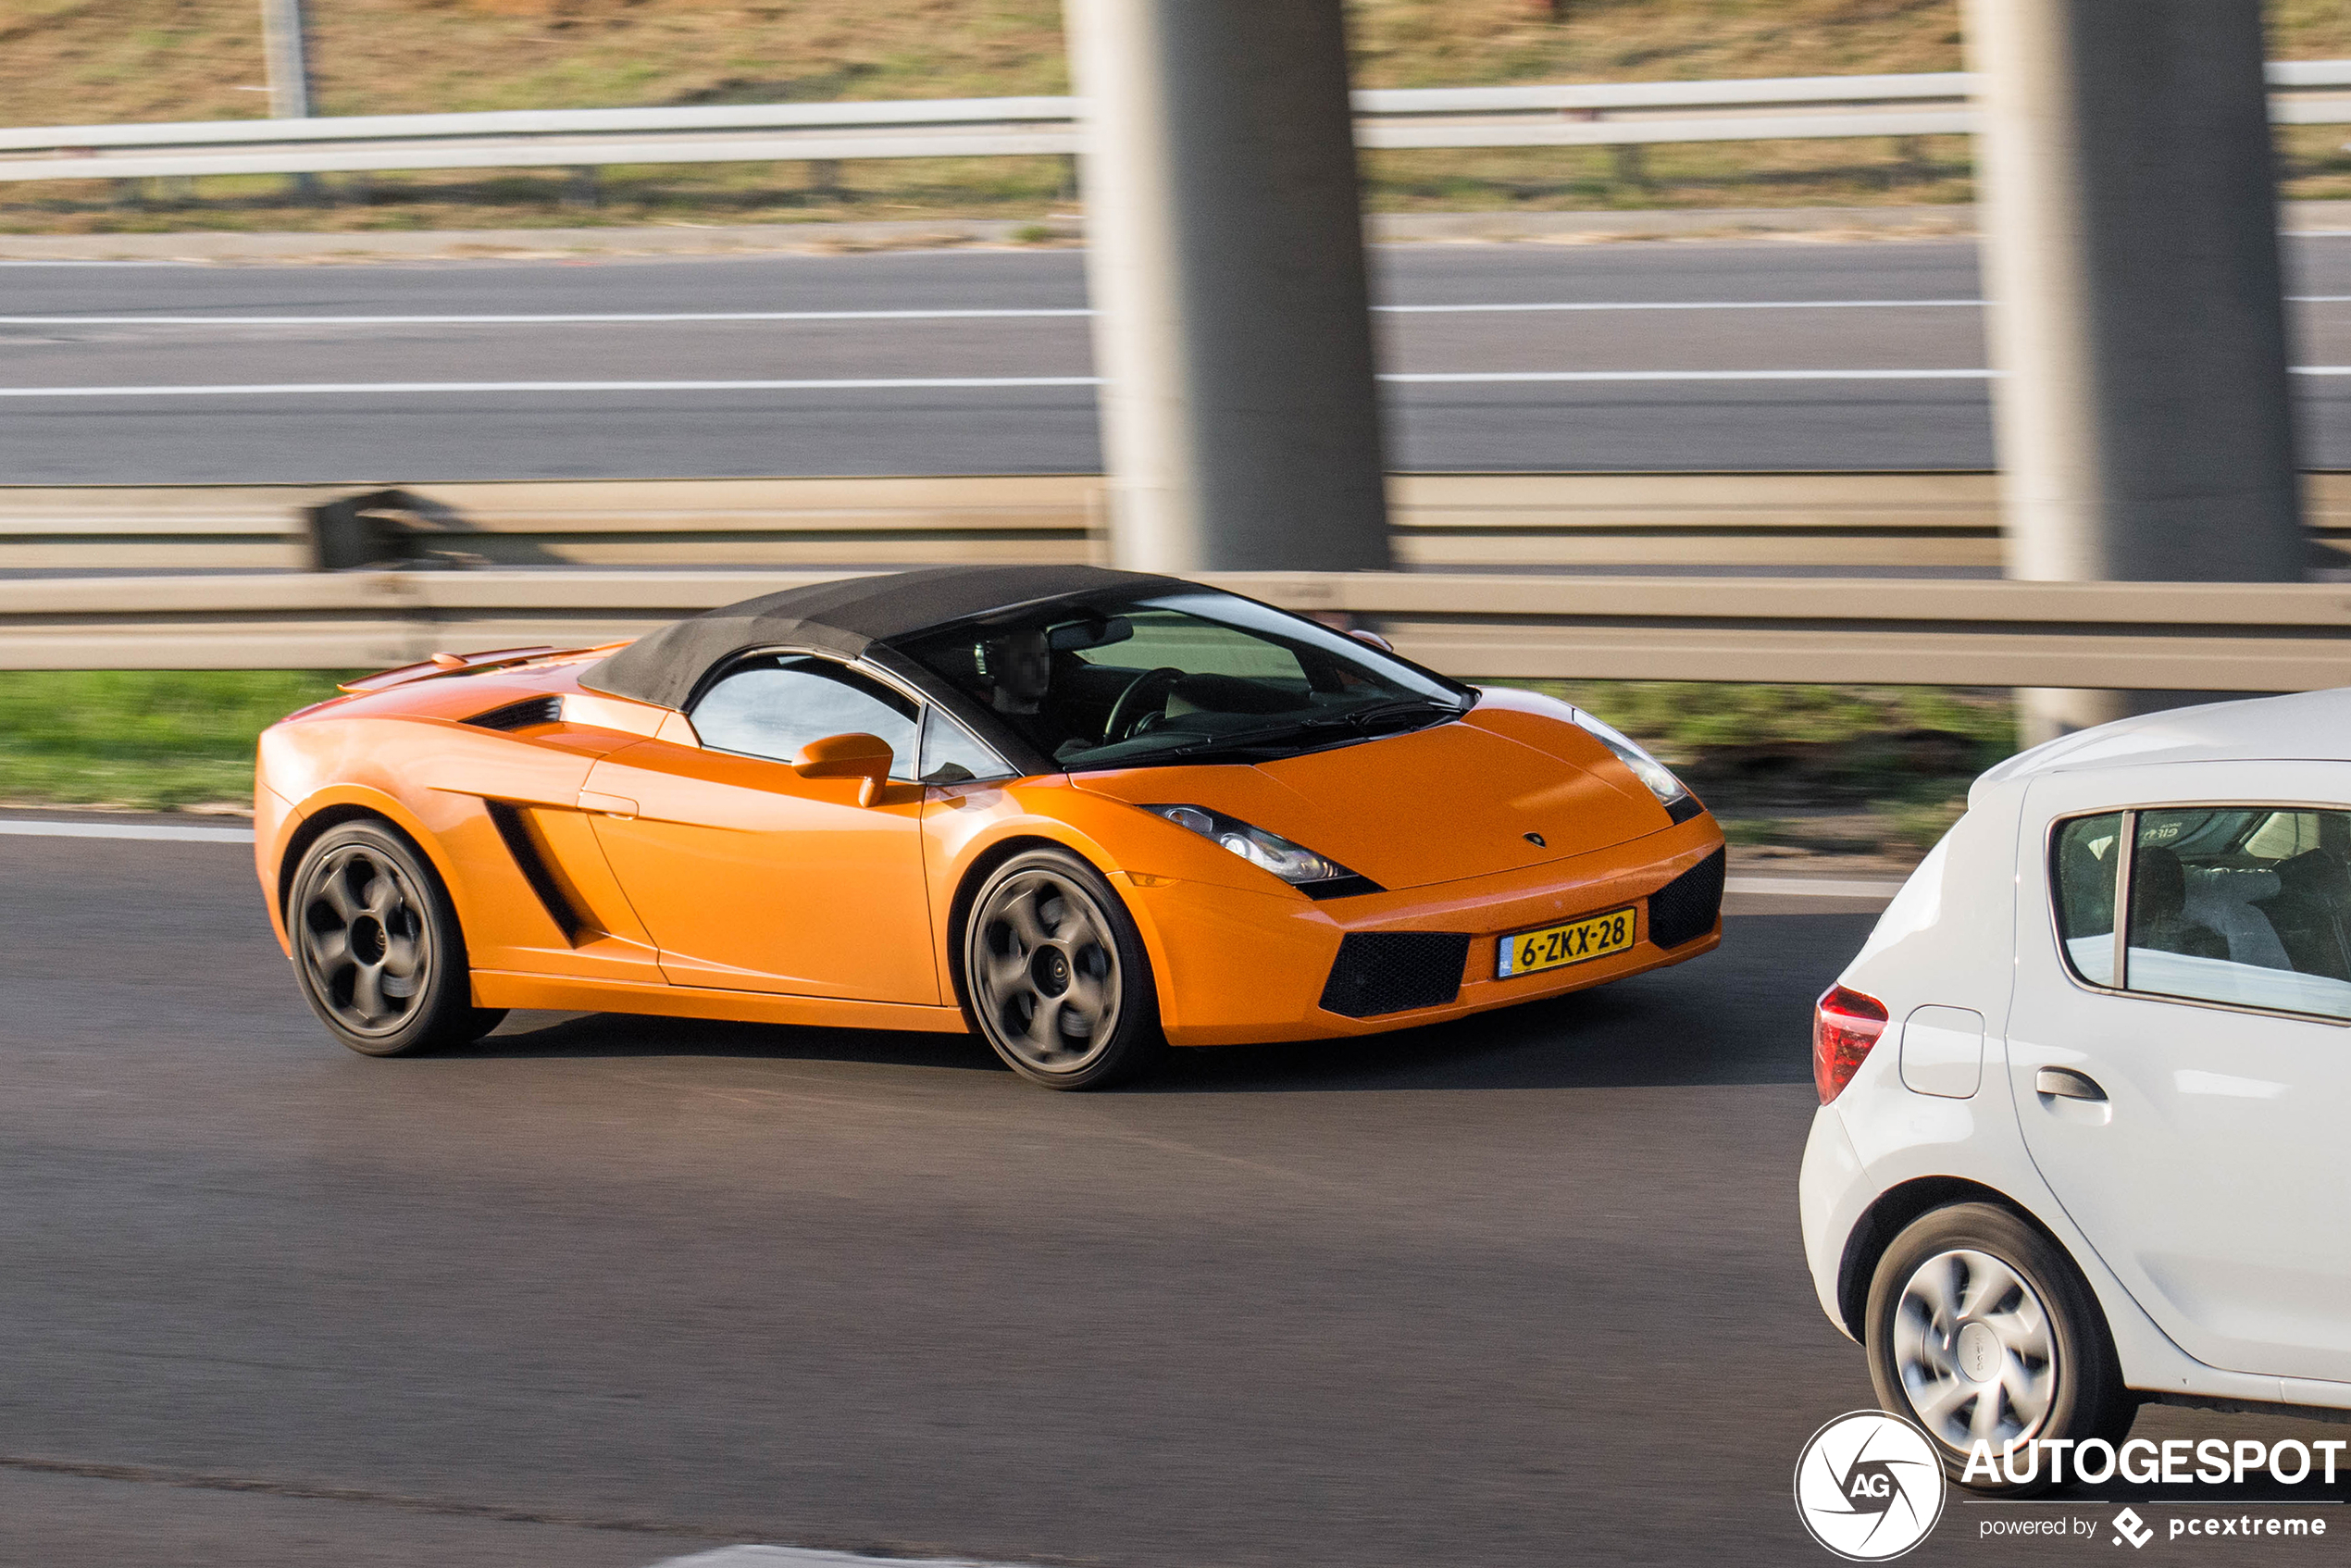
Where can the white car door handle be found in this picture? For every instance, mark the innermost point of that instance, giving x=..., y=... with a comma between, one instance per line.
x=2064, y=1083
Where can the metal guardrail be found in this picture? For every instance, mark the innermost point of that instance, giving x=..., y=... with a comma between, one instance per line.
x=1548, y=520
x=2209, y=636
x=1857, y=521
x=751, y=522
x=1594, y=113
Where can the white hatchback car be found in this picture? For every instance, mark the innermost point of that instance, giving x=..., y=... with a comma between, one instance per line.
x=2063, y=1163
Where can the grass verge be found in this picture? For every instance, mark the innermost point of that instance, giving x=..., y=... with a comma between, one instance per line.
x=154, y=740
x=1879, y=771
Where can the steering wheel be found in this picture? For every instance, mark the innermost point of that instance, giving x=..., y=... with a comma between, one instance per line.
x=1147, y=692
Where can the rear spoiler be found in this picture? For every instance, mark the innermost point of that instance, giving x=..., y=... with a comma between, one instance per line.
x=463, y=664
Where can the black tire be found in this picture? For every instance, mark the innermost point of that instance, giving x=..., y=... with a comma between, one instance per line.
x=1055, y=977
x=1979, y=1326
x=378, y=949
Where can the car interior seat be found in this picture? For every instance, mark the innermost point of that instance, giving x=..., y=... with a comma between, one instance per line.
x=2158, y=903
x=2224, y=896
x=2309, y=913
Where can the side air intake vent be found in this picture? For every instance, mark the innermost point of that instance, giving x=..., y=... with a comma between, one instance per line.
x=1380, y=972
x=522, y=714
x=1684, y=910
x=523, y=844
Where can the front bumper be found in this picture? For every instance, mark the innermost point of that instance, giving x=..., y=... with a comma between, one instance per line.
x=1237, y=966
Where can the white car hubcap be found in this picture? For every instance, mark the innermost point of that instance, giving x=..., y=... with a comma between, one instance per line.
x=1972, y=1343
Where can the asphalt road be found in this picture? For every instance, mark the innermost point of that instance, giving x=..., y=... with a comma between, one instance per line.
x=605, y=1291
x=101, y=348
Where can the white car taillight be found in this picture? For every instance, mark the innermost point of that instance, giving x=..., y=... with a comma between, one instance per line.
x=1845, y=1025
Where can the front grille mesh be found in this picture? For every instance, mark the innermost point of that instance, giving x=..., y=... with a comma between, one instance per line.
x=1380, y=972
x=1684, y=910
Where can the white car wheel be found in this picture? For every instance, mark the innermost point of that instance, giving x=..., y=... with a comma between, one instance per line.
x=1981, y=1328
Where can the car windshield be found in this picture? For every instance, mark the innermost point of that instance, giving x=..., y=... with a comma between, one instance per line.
x=1124, y=682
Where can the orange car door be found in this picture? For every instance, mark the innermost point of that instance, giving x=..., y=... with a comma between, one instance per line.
x=750, y=876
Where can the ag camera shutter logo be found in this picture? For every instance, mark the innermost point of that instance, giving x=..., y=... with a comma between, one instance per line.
x=1869, y=1485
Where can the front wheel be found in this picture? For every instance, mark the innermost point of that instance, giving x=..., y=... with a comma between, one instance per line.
x=1980, y=1328
x=1056, y=976
x=377, y=945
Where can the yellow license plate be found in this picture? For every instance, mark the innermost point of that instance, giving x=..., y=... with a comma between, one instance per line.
x=1555, y=946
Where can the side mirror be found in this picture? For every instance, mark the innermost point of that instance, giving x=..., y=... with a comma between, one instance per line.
x=857, y=756
x=1376, y=640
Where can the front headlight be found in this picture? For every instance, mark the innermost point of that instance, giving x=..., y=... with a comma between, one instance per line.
x=1646, y=768
x=1294, y=863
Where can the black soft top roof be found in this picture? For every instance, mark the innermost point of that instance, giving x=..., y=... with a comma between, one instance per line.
x=845, y=616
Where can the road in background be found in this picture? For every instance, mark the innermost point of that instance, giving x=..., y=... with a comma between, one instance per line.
x=1001, y=392
x=1518, y=1290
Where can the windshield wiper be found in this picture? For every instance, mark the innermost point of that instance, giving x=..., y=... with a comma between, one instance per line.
x=1351, y=719
x=1400, y=707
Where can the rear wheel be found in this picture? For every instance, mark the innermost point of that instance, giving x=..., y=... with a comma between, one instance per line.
x=1057, y=975
x=1979, y=1327
x=377, y=945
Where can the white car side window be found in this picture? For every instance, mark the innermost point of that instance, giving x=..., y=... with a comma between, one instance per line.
x=2242, y=904
x=2086, y=867
x=2246, y=905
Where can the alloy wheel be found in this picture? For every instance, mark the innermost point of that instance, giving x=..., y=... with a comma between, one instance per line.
x=364, y=940
x=1047, y=979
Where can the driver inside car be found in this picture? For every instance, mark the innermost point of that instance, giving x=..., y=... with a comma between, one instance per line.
x=1019, y=665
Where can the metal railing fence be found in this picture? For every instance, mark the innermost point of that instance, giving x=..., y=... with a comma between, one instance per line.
x=1899, y=521
x=1872, y=522
x=1592, y=113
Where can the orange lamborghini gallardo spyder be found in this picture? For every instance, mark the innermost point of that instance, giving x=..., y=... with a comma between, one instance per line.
x=1087, y=813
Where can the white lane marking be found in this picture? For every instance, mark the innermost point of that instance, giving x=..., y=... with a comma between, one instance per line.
x=1008, y=314
x=558, y=320
x=311, y=388
x=1683, y=305
x=799, y=1557
x=32, y=829
x=945, y=383
x=918, y=383
x=603, y=318
x=1440, y=377
x=1811, y=888
x=956, y=383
